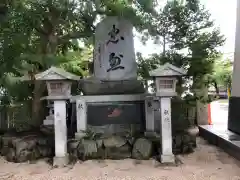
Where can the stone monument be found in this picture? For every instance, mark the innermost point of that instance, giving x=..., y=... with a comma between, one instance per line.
x=115, y=67
x=114, y=87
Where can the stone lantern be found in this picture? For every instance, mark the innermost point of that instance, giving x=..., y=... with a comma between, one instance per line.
x=165, y=78
x=59, y=90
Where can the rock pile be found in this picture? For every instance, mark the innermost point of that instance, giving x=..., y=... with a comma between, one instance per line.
x=113, y=147
x=183, y=143
x=29, y=146
x=26, y=146
x=119, y=147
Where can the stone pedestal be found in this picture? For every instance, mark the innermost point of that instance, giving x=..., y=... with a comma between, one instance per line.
x=149, y=110
x=60, y=127
x=166, y=131
x=94, y=86
x=49, y=121
x=151, y=107
x=82, y=107
x=60, y=161
x=167, y=158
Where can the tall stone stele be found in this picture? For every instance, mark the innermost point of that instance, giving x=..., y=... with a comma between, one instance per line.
x=165, y=78
x=115, y=67
x=59, y=90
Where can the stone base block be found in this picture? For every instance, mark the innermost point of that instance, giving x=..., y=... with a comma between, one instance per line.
x=168, y=159
x=60, y=161
x=79, y=135
x=151, y=134
x=93, y=86
x=48, y=122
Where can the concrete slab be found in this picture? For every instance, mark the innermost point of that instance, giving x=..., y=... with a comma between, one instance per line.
x=220, y=136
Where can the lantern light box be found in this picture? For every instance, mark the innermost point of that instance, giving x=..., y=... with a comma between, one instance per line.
x=165, y=78
x=58, y=81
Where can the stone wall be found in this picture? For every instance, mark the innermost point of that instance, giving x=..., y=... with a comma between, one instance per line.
x=118, y=146
x=26, y=146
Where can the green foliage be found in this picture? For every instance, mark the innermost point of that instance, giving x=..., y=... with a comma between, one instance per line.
x=222, y=75
x=78, y=62
x=35, y=35
x=188, y=39
x=145, y=65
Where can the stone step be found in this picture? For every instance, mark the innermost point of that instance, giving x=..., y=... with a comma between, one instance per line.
x=47, y=122
x=50, y=117
x=220, y=136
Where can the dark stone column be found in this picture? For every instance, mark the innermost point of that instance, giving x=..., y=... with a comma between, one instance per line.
x=234, y=114
x=234, y=101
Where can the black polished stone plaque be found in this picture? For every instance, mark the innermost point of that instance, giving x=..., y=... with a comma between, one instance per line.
x=100, y=114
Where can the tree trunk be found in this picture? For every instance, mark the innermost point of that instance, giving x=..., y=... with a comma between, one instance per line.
x=216, y=87
x=48, y=45
x=202, y=113
x=146, y=85
x=164, y=46
x=179, y=87
x=201, y=91
x=37, y=106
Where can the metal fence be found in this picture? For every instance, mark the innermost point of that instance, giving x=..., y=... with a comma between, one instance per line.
x=14, y=117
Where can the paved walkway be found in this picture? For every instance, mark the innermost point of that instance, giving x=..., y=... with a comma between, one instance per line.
x=206, y=163
x=219, y=112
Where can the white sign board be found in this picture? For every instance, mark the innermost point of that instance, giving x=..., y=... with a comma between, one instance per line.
x=114, y=56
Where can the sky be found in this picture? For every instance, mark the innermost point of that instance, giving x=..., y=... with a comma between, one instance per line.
x=223, y=13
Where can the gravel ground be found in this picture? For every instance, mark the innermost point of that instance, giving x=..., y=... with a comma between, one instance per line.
x=206, y=163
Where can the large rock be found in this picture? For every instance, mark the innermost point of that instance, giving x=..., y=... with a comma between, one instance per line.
x=117, y=147
x=114, y=141
x=121, y=152
x=26, y=146
x=47, y=130
x=88, y=149
x=11, y=155
x=28, y=155
x=142, y=149
x=116, y=129
x=45, y=151
x=73, y=148
x=7, y=140
x=183, y=143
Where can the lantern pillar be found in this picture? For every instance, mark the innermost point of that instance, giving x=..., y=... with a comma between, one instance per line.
x=60, y=129
x=166, y=130
x=165, y=83
x=59, y=91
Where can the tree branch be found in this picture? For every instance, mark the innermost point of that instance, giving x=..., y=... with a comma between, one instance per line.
x=40, y=31
x=73, y=35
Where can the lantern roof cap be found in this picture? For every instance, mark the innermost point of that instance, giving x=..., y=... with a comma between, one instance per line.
x=55, y=73
x=167, y=70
